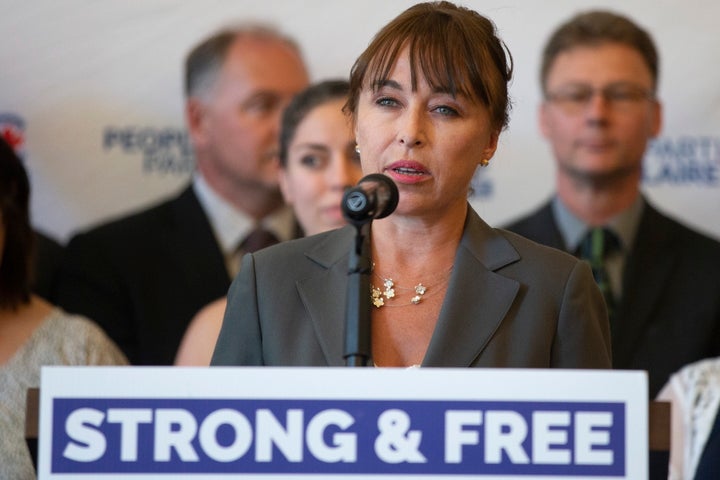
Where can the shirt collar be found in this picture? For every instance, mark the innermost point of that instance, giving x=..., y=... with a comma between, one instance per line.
x=231, y=225
x=624, y=224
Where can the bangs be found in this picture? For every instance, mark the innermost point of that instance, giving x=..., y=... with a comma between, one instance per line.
x=438, y=53
x=454, y=49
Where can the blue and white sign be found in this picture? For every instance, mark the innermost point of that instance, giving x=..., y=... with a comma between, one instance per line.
x=255, y=423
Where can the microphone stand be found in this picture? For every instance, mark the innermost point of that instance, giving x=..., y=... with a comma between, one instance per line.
x=375, y=196
x=357, y=307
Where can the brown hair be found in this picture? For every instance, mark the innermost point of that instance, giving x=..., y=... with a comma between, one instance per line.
x=595, y=28
x=302, y=104
x=456, y=50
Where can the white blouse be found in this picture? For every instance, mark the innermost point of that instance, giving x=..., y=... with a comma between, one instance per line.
x=694, y=393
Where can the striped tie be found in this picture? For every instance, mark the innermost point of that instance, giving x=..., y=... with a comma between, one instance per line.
x=254, y=241
x=257, y=239
x=594, y=248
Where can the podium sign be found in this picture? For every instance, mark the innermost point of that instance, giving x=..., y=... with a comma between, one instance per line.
x=336, y=423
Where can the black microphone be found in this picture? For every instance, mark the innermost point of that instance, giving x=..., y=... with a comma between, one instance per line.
x=375, y=196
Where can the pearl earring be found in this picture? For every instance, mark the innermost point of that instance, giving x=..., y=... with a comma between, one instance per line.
x=357, y=149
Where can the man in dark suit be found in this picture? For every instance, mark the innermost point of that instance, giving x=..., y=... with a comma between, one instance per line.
x=599, y=79
x=143, y=277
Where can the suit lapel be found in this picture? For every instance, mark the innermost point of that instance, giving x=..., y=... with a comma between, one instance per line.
x=650, y=258
x=541, y=227
x=476, y=303
x=477, y=298
x=197, y=250
x=549, y=234
x=324, y=294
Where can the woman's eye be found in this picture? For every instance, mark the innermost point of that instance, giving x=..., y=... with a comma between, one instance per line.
x=312, y=161
x=445, y=110
x=386, y=102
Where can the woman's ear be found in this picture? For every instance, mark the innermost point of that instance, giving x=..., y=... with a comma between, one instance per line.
x=491, y=147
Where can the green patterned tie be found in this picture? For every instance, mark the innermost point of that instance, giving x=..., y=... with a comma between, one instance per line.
x=595, y=247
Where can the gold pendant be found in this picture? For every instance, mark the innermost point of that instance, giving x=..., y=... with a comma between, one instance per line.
x=377, y=299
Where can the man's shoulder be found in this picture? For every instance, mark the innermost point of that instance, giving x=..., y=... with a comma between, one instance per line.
x=682, y=236
x=46, y=242
x=143, y=223
x=538, y=255
x=533, y=225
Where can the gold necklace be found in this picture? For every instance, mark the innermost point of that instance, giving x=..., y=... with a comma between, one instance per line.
x=380, y=296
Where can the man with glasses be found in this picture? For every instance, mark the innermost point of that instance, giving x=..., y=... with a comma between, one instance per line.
x=599, y=76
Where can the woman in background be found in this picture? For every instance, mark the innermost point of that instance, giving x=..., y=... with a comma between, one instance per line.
x=33, y=332
x=318, y=162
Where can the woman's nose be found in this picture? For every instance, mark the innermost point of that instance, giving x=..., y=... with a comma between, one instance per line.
x=411, y=131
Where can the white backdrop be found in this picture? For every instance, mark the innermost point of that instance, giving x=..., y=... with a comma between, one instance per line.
x=93, y=90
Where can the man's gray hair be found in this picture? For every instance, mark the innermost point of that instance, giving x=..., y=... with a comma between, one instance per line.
x=205, y=60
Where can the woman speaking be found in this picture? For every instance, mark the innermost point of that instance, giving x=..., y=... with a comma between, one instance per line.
x=428, y=101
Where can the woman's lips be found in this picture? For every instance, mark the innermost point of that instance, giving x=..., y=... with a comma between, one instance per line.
x=406, y=171
x=334, y=212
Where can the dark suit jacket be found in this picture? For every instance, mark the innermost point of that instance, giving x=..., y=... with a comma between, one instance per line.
x=669, y=313
x=48, y=255
x=510, y=303
x=143, y=277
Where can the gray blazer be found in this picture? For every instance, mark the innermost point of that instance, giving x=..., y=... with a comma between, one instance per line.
x=510, y=303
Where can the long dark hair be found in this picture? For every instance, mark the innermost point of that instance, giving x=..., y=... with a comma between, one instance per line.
x=16, y=256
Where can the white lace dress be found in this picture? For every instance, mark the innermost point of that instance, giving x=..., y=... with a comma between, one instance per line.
x=61, y=339
x=694, y=392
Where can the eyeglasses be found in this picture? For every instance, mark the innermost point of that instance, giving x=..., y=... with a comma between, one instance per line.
x=575, y=99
